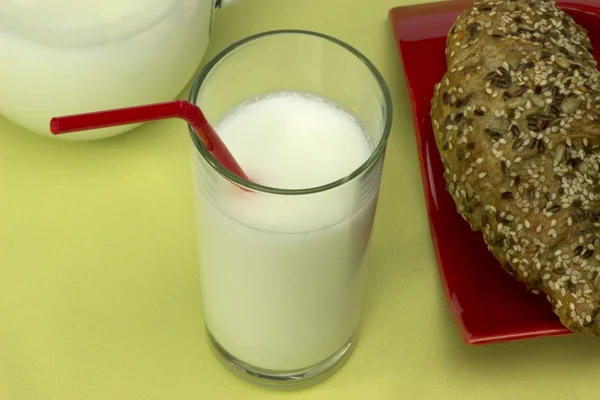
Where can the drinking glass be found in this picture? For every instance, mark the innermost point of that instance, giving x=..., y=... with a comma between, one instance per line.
x=283, y=270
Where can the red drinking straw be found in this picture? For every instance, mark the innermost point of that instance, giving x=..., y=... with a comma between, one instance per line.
x=185, y=110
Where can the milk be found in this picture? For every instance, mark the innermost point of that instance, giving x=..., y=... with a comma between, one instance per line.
x=282, y=276
x=73, y=56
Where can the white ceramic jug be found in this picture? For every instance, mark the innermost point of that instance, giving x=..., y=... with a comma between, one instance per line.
x=61, y=57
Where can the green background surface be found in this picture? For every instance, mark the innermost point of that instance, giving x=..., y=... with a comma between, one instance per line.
x=99, y=291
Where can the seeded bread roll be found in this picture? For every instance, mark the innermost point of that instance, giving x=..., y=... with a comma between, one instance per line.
x=517, y=123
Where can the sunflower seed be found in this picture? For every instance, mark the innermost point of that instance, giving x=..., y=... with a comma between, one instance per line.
x=537, y=101
x=562, y=62
x=559, y=153
x=515, y=102
x=570, y=105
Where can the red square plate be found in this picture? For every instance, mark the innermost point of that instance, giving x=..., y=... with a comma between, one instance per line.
x=487, y=304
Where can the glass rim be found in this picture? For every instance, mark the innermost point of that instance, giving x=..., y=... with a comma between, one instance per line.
x=255, y=187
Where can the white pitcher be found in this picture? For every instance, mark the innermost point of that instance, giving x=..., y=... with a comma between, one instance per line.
x=61, y=57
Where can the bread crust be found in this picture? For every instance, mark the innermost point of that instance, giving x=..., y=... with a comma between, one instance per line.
x=517, y=124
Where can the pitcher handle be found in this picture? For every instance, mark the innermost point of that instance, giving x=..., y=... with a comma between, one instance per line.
x=217, y=4
x=222, y=3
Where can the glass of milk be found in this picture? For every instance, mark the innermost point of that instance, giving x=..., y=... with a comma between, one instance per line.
x=283, y=258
